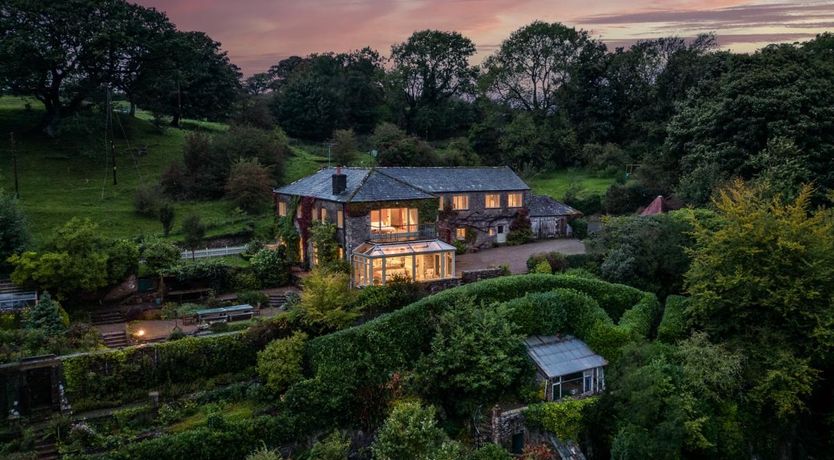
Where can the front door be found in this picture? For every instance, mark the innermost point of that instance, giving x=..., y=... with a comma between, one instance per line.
x=501, y=234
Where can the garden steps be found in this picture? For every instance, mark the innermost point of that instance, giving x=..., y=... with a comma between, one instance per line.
x=99, y=318
x=277, y=300
x=46, y=448
x=115, y=339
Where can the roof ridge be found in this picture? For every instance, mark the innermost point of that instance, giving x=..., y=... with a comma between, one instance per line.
x=408, y=184
x=361, y=184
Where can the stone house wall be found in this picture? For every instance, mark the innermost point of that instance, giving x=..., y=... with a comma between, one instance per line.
x=478, y=218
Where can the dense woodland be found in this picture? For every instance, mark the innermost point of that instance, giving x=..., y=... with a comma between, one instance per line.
x=717, y=319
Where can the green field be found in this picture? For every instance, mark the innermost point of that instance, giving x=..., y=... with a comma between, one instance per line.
x=69, y=176
x=556, y=183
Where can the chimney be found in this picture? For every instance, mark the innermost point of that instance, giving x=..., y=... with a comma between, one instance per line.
x=339, y=181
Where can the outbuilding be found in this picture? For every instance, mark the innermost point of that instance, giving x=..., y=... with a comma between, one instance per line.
x=550, y=218
x=567, y=366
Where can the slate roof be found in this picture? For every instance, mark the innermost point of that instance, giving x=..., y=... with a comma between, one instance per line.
x=458, y=179
x=400, y=183
x=363, y=184
x=557, y=356
x=544, y=206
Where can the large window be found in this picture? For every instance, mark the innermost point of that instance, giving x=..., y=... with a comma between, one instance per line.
x=394, y=220
x=460, y=202
x=376, y=263
x=492, y=200
x=515, y=200
x=579, y=383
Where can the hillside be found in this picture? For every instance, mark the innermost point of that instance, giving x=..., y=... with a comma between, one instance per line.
x=69, y=176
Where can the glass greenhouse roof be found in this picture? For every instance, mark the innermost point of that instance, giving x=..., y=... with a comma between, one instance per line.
x=402, y=249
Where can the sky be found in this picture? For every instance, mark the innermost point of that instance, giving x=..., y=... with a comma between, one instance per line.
x=259, y=33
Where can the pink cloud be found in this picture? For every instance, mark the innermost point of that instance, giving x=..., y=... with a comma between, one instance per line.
x=258, y=33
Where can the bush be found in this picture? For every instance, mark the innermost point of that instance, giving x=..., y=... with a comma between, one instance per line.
x=344, y=148
x=166, y=217
x=146, y=201
x=626, y=199
x=520, y=229
x=249, y=185
x=159, y=255
x=271, y=267
x=542, y=267
x=396, y=293
x=213, y=273
x=565, y=418
x=673, y=325
x=410, y=432
x=256, y=299
x=279, y=364
x=580, y=228
x=556, y=261
x=327, y=301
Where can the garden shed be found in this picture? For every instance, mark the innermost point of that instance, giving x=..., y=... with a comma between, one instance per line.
x=567, y=366
x=550, y=218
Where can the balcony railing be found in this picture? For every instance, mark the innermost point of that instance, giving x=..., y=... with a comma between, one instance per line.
x=404, y=233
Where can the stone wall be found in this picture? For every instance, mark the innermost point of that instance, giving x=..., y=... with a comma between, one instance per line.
x=479, y=218
x=471, y=276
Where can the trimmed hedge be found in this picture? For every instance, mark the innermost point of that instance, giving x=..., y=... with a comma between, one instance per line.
x=367, y=355
x=124, y=374
x=673, y=324
x=565, y=419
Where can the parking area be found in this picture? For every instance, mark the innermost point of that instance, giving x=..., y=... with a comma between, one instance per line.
x=515, y=256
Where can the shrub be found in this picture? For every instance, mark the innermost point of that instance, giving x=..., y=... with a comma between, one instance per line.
x=555, y=260
x=327, y=300
x=166, y=217
x=335, y=446
x=396, y=293
x=626, y=199
x=673, y=325
x=271, y=267
x=520, y=229
x=563, y=418
x=146, y=201
x=409, y=433
x=344, y=148
x=249, y=185
x=194, y=231
x=543, y=267
x=580, y=228
x=159, y=255
x=213, y=273
x=255, y=298
x=279, y=364
x=47, y=316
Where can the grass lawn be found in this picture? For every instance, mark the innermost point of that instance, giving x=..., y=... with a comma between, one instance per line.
x=556, y=183
x=69, y=176
x=232, y=412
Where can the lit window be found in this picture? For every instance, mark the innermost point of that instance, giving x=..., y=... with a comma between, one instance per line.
x=440, y=204
x=492, y=231
x=323, y=215
x=282, y=209
x=341, y=253
x=515, y=200
x=394, y=221
x=460, y=233
x=492, y=200
x=298, y=212
x=340, y=218
x=460, y=202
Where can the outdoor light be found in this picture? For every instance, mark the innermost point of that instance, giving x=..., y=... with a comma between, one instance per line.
x=140, y=333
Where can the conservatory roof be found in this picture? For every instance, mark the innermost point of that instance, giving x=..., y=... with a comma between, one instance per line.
x=556, y=355
x=402, y=249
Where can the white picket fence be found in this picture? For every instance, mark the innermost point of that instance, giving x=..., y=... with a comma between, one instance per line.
x=214, y=252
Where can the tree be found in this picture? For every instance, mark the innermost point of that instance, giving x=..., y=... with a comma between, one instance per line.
x=77, y=259
x=191, y=77
x=271, y=266
x=521, y=229
x=61, y=53
x=279, y=364
x=344, y=148
x=166, y=217
x=535, y=62
x=409, y=433
x=763, y=284
x=194, y=231
x=718, y=129
x=476, y=355
x=429, y=69
x=47, y=315
x=249, y=185
x=326, y=300
x=14, y=229
x=160, y=255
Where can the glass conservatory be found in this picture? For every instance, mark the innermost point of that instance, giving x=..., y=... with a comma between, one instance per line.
x=374, y=263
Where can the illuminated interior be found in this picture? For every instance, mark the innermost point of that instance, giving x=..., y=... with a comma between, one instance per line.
x=374, y=264
x=394, y=220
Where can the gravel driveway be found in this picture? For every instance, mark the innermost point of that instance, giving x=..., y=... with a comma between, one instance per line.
x=515, y=256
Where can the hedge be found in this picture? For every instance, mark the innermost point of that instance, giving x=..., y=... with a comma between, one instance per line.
x=123, y=374
x=365, y=356
x=673, y=324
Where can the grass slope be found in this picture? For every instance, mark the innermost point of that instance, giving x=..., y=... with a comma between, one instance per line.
x=69, y=176
x=556, y=183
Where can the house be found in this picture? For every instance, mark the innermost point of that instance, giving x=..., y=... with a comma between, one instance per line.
x=567, y=366
x=404, y=220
